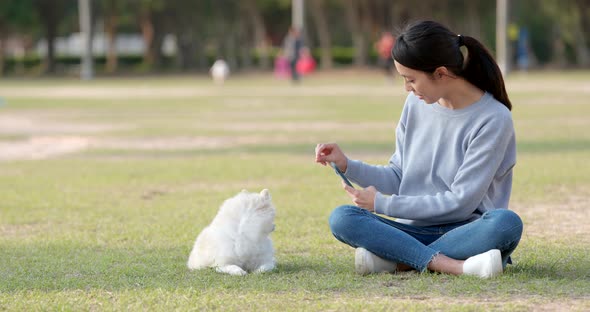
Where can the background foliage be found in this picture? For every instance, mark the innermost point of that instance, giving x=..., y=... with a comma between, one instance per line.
x=248, y=32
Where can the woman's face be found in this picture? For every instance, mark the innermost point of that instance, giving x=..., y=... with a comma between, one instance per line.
x=424, y=85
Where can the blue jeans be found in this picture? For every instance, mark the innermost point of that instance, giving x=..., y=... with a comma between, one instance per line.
x=416, y=246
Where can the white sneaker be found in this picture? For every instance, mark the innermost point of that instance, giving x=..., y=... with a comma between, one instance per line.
x=484, y=265
x=366, y=262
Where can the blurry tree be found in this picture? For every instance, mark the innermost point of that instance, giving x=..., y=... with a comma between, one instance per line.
x=224, y=35
x=186, y=20
x=239, y=31
x=557, y=30
x=473, y=19
x=566, y=33
x=111, y=9
x=318, y=14
x=357, y=15
x=252, y=10
x=276, y=15
x=16, y=17
x=582, y=31
x=384, y=15
x=150, y=19
x=116, y=14
x=51, y=14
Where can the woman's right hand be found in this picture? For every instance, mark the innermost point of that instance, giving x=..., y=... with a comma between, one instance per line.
x=331, y=152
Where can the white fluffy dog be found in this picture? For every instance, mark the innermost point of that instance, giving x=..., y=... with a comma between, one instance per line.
x=237, y=240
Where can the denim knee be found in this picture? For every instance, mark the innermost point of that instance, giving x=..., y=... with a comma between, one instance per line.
x=342, y=219
x=505, y=227
x=504, y=219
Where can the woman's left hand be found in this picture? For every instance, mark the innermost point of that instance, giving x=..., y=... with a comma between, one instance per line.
x=364, y=198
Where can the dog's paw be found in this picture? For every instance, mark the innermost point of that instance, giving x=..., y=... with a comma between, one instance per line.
x=231, y=270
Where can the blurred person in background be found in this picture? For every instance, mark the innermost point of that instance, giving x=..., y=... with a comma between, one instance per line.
x=219, y=71
x=282, y=66
x=383, y=47
x=306, y=64
x=292, y=45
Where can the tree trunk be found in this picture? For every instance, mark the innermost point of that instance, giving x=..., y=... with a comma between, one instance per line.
x=50, y=37
x=111, y=30
x=201, y=56
x=260, y=42
x=367, y=29
x=473, y=19
x=581, y=33
x=2, y=39
x=186, y=49
x=400, y=14
x=319, y=17
x=246, y=56
x=247, y=44
x=581, y=48
x=147, y=32
x=386, y=21
x=558, y=48
x=358, y=39
x=230, y=50
x=49, y=16
x=156, y=48
x=442, y=7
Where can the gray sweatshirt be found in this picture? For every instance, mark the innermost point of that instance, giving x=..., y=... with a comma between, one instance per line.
x=449, y=165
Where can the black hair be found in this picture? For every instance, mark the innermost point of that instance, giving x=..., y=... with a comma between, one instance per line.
x=427, y=45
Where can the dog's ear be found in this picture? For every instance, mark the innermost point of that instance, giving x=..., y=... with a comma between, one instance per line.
x=265, y=194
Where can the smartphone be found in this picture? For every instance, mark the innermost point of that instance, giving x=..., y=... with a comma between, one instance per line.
x=338, y=172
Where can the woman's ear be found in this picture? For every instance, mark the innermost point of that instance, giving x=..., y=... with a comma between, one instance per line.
x=441, y=72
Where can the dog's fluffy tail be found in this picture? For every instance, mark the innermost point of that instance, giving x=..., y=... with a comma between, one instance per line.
x=201, y=256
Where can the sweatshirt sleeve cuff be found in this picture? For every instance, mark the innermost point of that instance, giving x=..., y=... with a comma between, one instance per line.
x=381, y=204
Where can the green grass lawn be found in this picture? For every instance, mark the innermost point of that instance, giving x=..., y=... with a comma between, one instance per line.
x=109, y=224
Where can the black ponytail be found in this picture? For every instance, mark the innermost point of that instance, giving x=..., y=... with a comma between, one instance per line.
x=427, y=45
x=482, y=71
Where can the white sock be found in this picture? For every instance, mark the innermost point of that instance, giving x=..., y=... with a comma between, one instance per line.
x=484, y=265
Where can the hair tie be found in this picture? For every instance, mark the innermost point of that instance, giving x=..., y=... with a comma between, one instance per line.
x=460, y=40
